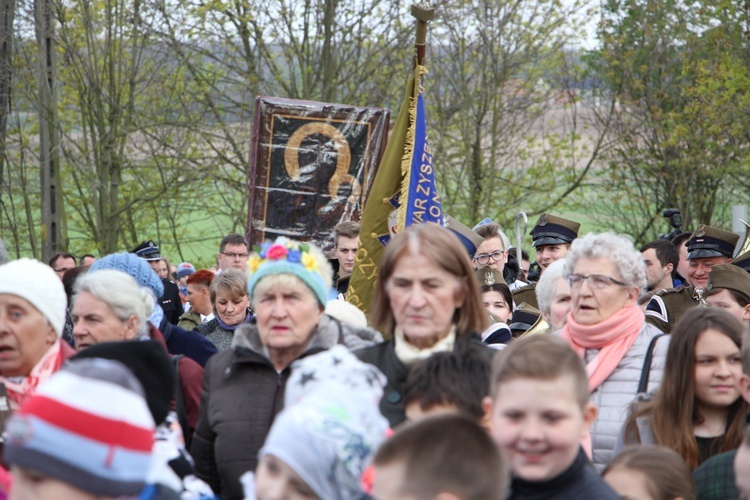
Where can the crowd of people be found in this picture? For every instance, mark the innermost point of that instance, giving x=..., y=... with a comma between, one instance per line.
x=597, y=371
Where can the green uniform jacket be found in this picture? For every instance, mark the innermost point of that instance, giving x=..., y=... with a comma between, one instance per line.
x=666, y=307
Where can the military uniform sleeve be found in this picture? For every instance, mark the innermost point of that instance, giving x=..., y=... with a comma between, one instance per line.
x=657, y=313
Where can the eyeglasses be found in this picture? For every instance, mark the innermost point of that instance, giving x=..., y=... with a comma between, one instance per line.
x=485, y=258
x=596, y=281
x=233, y=255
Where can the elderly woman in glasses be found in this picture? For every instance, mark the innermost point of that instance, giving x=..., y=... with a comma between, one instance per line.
x=607, y=328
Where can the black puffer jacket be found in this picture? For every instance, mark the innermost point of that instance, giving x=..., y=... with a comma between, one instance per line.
x=242, y=394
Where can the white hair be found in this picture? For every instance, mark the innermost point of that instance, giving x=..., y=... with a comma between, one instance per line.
x=545, y=287
x=121, y=293
x=610, y=246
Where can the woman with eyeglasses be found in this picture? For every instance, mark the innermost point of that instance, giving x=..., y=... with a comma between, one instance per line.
x=493, y=252
x=608, y=329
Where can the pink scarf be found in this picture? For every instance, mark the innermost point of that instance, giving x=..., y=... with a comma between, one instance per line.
x=22, y=388
x=613, y=337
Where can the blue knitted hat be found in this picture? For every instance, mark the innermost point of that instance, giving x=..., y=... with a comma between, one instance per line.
x=285, y=256
x=136, y=267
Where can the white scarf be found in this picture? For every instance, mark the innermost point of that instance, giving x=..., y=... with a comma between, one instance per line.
x=410, y=354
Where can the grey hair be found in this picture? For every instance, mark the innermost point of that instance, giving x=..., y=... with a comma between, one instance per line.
x=121, y=293
x=610, y=246
x=545, y=287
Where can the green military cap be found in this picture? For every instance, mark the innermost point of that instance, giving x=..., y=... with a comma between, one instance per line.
x=468, y=238
x=731, y=277
x=487, y=276
x=526, y=294
x=524, y=317
x=553, y=230
x=743, y=261
x=707, y=241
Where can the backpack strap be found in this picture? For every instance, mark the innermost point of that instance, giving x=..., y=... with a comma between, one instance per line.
x=179, y=399
x=646, y=370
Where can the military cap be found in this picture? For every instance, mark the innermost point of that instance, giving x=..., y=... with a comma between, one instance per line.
x=524, y=317
x=487, y=276
x=468, y=238
x=553, y=230
x=526, y=294
x=148, y=250
x=709, y=241
x=743, y=261
x=730, y=277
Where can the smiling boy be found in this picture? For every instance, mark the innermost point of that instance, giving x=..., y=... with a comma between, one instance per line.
x=539, y=414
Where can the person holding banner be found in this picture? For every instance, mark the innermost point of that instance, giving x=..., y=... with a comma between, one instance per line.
x=426, y=301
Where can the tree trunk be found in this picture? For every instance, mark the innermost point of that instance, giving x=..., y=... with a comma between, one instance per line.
x=53, y=231
x=7, y=14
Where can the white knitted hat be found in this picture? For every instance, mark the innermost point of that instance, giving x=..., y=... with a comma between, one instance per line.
x=37, y=283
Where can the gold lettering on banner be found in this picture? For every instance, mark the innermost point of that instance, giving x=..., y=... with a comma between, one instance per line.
x=343, y=157
x=353, y=298
x=365, y=264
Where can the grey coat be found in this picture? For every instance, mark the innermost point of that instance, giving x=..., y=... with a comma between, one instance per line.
x=614, y=396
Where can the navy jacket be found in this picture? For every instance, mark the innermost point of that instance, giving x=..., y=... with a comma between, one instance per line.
x=188, y=343
x=580, y=480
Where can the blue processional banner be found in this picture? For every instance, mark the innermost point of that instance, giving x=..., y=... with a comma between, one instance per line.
x=420, y=200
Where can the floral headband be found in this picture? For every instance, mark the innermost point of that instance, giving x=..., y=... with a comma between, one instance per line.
x=285, y=256
x=296, y=253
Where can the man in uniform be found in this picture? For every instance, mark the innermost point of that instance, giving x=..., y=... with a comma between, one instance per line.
x=707, y=247
x=680, y=243
x=552, y=239
x=170, y=302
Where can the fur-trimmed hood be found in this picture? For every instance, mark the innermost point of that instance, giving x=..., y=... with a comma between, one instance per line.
x=328, y=333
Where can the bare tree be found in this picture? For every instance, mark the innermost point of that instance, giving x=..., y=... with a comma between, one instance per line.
x=506, y=117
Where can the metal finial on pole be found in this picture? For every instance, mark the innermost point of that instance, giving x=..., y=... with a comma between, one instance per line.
x=423, y=13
